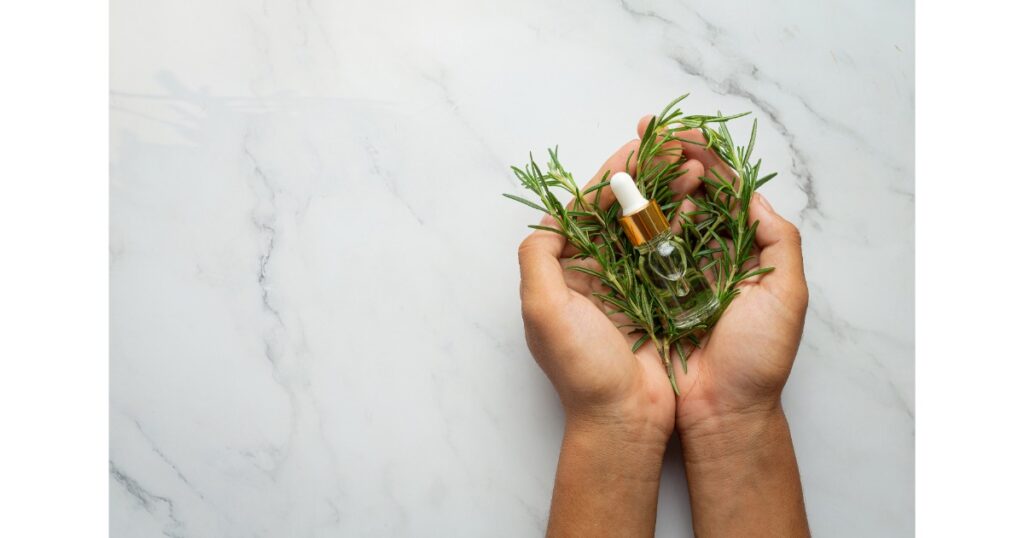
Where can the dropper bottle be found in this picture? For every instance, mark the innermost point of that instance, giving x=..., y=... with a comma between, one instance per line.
x=665, y=261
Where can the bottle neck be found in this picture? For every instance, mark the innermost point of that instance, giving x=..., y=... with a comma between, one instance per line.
x=645, y=224
x=652, y=243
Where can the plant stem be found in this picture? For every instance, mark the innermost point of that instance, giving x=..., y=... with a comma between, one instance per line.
x=665, y=350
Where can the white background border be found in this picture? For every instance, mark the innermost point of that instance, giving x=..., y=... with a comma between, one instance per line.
x=53, y=269
x=970, y=359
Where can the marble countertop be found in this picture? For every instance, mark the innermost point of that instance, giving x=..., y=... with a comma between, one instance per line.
x=314, y=309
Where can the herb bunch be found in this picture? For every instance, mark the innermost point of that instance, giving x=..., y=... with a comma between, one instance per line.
x=717, y=231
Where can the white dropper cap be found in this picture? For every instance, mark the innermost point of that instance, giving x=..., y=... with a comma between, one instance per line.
x=627, y=194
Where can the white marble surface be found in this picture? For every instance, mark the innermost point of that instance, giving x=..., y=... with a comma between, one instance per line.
x=310, y=334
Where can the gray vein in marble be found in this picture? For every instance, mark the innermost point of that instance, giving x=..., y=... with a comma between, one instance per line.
x=731, y=86
x=843, y=329
x=901, y=400
x=156, y=450
x=798, y=163
x=750, y=68
x=440, y=81
x=538, y=515
x=324, y=34
x=646, y=14
x=266, y=228
x=265, y=221
x=291, y=377
x=149, y=501
x=862, y=142
x=902, y=193
x=261, y=277
x=377, y=169
x=335, y=511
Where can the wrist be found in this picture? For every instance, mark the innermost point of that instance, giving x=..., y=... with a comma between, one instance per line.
x=607, y=480
x=742, y=475
x=708, y=413
x=633, y=448
x=719, y=435
x=631, y=422
x=633, y=434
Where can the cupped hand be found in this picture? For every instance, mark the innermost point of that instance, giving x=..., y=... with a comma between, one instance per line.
x=742, y=366
x=588, y=359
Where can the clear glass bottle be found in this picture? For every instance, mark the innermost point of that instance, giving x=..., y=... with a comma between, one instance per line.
x=665, y=262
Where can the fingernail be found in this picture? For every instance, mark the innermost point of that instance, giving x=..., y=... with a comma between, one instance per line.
x=764, y=202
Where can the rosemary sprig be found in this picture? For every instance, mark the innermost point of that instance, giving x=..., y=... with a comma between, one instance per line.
x=717, y=231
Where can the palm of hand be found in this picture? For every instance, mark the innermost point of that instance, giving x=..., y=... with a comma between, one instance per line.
x=746, y=359
x=607, y=370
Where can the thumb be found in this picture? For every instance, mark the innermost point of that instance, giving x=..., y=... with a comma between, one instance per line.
x=542, y=280
x=780, y=244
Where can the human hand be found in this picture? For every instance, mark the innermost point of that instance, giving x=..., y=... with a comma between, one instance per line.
x=742, y=365
x=740, y=464
x=600, y=381
x=619, y=406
